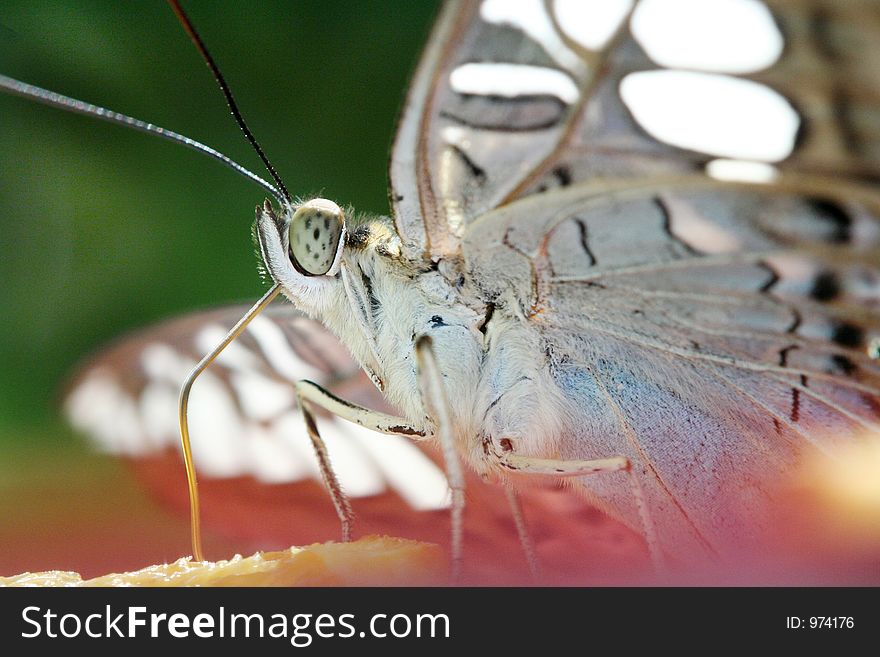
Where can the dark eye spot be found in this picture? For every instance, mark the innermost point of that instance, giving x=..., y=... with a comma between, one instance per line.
x=317, y=233
x=838, y=220
x=825, y=287
x=309, y=222
x=437, y=321
x=841, y=365
x=315, y=256
x=848, y=335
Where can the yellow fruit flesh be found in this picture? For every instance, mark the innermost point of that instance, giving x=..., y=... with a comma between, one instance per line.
x=370, y=561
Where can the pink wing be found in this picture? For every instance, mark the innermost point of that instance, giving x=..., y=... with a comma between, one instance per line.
x=259, y=482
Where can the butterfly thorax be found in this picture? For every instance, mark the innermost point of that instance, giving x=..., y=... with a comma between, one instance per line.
x=379, y=302
x=387, y=302
x=493, y=363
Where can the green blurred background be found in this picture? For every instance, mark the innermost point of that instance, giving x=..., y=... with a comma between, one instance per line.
x=105, y=230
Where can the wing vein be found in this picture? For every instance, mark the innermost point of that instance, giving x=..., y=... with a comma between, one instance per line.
x=646, y=459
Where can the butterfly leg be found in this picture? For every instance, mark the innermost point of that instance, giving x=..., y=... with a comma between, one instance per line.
x=308, y=394
x=437, y=405
x=576, y=468
x=430, y=380
x=340, y=499
x=308, y=391
x=525, y=540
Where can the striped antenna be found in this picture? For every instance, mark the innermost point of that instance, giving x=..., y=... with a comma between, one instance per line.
x=227, y=93
x=53, y=99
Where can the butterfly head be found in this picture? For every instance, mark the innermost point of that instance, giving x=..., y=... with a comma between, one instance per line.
x=315, y=237
x=301, y=248
x=351, y=274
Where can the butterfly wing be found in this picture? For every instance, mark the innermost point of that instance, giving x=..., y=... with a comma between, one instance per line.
x=717, y=364
x=258, y=477
x=244, y=416
x=717, y=333
x=461, y=150
x=514, y=99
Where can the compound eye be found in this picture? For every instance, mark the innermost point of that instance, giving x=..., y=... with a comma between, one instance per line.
x=314, y=234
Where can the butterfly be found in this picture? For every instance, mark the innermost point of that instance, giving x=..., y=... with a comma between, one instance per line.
x=616, y=254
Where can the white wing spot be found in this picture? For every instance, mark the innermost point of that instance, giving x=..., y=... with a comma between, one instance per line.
x=513, y=80
x=163, y=363
x=100, y=407
x=715, y=114
x=358, y=474
x=234, y=356
x=159, y=413
x=742, y=171
x=260, y=397
x=89, y=402
x=724, y=36
x=410, y=473
x=126, y=426
x=271, y=459
x=278, y=352
x=216, y=429
x=290, y=430
x=530, y=16
x=456, y=136
x=591, y=24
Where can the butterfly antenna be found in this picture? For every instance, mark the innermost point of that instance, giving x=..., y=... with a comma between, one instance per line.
x=227, y=93
x=53, y=99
